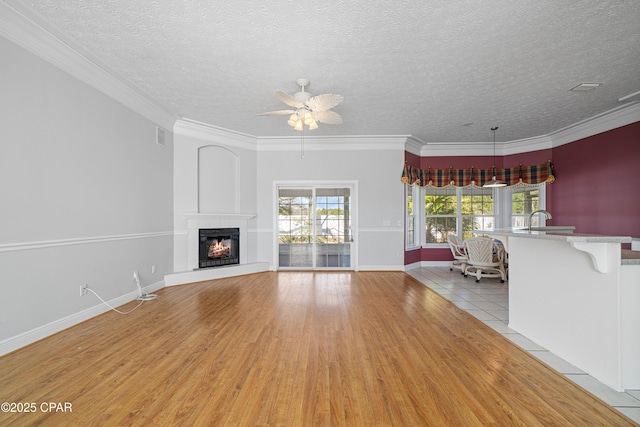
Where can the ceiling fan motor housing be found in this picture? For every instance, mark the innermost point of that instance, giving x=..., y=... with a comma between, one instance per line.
x=302, y=96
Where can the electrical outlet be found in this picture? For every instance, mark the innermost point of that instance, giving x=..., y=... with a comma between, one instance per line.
x=83, y=289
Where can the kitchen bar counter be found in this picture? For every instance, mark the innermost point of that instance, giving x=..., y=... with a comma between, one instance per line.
x=576, y=239
x=577, y=296
x=555, y=235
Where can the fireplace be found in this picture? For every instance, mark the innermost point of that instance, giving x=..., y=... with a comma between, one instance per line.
x=218, y=247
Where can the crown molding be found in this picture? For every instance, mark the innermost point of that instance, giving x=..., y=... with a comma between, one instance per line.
x=214, y=134
x=210, y=133
x=334, y=143
x=413, y=145
x=525, y=145
x=446, y=149
x=612, y=119
x=623, y=115
x=23, y=29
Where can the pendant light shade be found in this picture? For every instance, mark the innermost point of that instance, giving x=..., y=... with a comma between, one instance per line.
x=494, y=182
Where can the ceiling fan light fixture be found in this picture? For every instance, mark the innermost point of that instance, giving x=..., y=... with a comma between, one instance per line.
x=307, y=109
x=308, y=118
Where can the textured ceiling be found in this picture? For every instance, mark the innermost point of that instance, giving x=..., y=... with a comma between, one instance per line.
x=420, y=68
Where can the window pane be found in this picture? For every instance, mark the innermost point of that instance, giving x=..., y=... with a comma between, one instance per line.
x=437, y=228
x=333, y=215
x=470, y=223
x=411, y=231
x=333, y=227
x=333, y=255
x=477, y=201
x=477, y=210
x=440, y=214
x=523, y=202
x=295, y=227
x=444, y=204
x=410, y=217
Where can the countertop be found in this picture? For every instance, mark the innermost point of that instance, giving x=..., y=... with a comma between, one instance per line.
x=628, y=257
x=553, y=235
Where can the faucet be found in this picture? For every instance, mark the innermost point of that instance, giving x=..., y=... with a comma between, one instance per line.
x=547, y=215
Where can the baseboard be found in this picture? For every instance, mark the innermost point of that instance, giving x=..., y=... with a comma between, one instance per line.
x=381, y=268
x=427, y=264
x=435, y=264
x=413, y=266
x=29, y=337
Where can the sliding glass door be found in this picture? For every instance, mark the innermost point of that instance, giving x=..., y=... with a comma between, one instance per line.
x=314, y=227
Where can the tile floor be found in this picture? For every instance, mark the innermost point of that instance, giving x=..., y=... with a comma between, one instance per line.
x=488, y=301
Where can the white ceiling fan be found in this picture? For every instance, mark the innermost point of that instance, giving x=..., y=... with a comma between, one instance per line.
x=309, y=109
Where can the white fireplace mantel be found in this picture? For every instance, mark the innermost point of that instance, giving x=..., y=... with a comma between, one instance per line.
x=218, y=216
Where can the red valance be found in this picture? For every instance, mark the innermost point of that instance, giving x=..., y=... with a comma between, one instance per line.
x=532, y=175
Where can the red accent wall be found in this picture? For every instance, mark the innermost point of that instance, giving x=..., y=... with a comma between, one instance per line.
x=459, y=162
x=597, y=188
x=412, y=256
x=531, y=158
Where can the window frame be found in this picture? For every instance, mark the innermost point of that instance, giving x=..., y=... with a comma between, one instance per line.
x=412, y=238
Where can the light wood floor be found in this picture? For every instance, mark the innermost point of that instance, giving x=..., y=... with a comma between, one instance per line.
x=293, y=349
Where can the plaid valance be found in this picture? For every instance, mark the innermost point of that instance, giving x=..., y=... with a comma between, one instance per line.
x=532, y=175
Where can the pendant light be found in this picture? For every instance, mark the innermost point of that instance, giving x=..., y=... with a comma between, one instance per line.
x=494, y=182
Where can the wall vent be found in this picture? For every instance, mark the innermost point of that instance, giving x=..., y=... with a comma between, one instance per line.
x=583, y=87
x=160, y=136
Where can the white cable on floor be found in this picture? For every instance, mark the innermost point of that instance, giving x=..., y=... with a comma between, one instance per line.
x=112, y=308
x=141, y=295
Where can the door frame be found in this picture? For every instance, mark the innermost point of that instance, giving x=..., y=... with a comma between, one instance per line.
x=351, y=184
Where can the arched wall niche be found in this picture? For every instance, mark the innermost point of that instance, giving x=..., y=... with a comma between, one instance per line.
x=217, y=180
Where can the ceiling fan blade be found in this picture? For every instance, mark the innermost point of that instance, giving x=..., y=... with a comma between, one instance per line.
x=324, y=102
x=288, y=99
x=277, y=113
x=328, y=117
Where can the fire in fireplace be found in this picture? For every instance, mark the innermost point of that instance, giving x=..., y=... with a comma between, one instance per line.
x=218, y=247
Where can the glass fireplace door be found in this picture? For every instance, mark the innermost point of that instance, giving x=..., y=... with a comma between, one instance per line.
x=314, y=228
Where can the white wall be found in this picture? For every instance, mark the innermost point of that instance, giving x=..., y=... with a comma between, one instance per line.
x=240, y=185
x=85, y=197
x=374, y=164
x=376, y=169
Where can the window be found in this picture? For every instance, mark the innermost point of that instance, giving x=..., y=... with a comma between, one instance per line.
x=524, y=201
x=461, y=210
x=477, y=210
x=440, y=208
x=411, y=220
